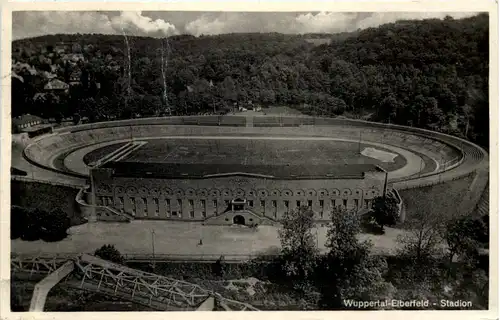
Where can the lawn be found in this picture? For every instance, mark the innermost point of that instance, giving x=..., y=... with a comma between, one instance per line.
x=259, y=151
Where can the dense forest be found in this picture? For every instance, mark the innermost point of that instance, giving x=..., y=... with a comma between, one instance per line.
x=430, y=74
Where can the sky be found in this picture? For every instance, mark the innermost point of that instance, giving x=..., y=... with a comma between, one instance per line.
x=28, y=24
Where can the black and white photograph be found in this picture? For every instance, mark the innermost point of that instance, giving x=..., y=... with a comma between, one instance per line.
x=249, y=161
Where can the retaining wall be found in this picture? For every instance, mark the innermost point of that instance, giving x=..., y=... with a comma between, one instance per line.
x=47, y=196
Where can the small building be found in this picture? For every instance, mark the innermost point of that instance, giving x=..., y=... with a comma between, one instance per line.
x=30, y=124
x=61, y=48
x=72, y=58
x=23, y=68
x=56, y=85
x=48, y=75
x=75, y=78
x=39, y=96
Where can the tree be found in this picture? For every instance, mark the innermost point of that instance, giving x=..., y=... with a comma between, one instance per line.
x=34, y=224
x=349, y=271
x=54, y=225
x=230, y=93
x=18, y=221
x=110, y=253
x=32, y=230
x=425, y=230
x=298, y=246
x=464, y=236
x=388, y=109
x=385, y=211
x=219, y=267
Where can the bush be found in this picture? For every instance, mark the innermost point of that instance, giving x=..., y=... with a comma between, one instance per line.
x=35, y=224
x=18, y=217
x=54, y=225
x=218, y=268
x=385, y=211
x=32, y=227
x=110, y=253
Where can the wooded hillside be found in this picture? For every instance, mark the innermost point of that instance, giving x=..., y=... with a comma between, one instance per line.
x=430, y=74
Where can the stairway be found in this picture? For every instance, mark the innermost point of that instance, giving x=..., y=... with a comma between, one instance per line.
x=249, y=121
x=483, y=206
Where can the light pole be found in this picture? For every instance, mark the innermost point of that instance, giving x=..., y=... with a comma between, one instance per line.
x=92, y=189
x=153, y=244
x=359, y=144
x=441, y=168
x=421, y=165
x=317, y=237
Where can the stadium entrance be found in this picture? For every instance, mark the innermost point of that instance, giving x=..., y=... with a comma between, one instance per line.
x=238, y=205
x=239, y=220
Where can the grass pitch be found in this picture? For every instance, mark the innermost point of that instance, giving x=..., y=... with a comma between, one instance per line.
x=241, y=152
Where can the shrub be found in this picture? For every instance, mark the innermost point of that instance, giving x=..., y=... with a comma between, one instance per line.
x=32, y=225
x=18, y=218
x=219, y=268
x=54, y=225
x=110, y=253
x=35, y=224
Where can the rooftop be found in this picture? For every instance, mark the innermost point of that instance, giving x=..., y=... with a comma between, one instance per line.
x=202, y=170
x=25, y=118
x=37, y=127
x=56, y=84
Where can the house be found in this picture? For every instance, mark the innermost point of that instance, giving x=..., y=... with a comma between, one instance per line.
x=39, y=96
x=72, y=58
x=75, y=78
x=61, y=48
x=32, y=125
x=48, y=75
x=20, y=68
x=56, y=85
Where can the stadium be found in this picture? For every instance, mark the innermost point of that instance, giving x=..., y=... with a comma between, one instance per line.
x=248, y=169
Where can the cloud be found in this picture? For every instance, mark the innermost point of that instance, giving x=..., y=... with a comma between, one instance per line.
x=293, y=23
x=323, y=22
x=231, y=22
x=380, y=18
x=208, y=26
x=328, y=22
x=35, y=23
x=134, y=22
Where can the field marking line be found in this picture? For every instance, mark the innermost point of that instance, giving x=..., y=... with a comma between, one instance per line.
x=174, y=149
x=130, y=151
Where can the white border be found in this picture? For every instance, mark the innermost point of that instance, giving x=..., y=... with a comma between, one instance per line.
x=248, y=5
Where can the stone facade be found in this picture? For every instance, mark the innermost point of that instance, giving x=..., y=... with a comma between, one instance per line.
x=203, y=199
